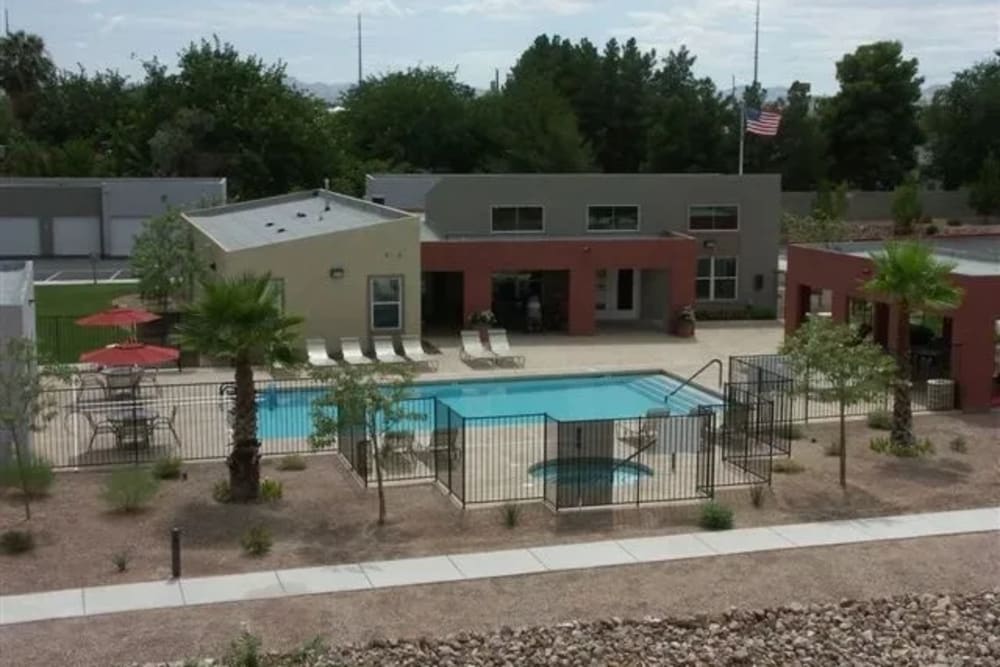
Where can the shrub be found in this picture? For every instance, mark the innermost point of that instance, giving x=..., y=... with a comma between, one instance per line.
x=885, y=446
x=256, y=541
x=221, y=492
x=511, y=515
x=292, y=462
x=13, y=542
x=121, y=559
x=271, y=490
x=954, y=222
x=790, y=431
x=787, y=466
x=130, y=489
x=244, y=651
x=716, y=516
x=958, y=444
x=757, y=495
x=931, y=230
x=169, y=467
x=832, y=449
x=34, y=478
x=880, y=420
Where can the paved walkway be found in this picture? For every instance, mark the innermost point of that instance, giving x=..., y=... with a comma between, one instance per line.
x=76, y=602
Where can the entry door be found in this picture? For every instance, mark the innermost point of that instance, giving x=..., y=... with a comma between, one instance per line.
x=617, y=294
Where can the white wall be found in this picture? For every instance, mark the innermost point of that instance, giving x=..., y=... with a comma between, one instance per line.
x=20, y=236
x=76, y=236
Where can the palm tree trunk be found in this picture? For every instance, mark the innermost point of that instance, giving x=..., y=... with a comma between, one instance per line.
x=244, y=460
x=378, y=474
x=901, y=434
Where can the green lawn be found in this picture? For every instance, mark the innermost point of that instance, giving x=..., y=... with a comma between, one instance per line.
x=76, y=300
x=56, y=306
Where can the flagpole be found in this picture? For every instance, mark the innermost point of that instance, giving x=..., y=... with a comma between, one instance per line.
x=743, y=132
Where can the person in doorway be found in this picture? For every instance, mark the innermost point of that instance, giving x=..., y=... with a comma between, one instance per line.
x=534, y=313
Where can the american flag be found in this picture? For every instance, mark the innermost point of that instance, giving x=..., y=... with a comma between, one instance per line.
x=764, y=123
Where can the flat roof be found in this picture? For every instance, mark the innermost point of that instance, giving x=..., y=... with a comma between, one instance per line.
x=290, y=217
x=972, y=255
x=15, y=277
x=96, y=180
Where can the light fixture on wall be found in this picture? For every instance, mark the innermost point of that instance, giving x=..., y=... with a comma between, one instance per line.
x=337, y=272
x=708, y=245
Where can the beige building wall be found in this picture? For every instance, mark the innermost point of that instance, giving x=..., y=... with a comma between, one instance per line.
x=337, y=307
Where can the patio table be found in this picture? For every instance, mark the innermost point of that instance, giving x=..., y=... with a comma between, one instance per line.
x=133, y=426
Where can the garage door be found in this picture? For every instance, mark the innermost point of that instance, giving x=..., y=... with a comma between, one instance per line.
x=76, y=236
x=19, y=237
x=123, y=233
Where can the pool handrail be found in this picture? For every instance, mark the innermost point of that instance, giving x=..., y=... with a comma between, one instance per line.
x=692, y=377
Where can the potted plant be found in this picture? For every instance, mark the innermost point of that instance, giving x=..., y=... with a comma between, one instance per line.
x=685, y=322
x=482, y=320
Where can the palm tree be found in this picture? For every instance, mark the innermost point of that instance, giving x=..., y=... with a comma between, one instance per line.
x=25, y=66
x=240, y=321
x=909, y=276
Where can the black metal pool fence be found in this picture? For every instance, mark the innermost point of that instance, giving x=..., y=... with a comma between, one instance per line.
x=476, y=460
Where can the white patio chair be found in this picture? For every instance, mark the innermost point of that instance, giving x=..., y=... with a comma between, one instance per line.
x=501, y=348
x=316, y=351
x=473, y=351
x=413, y=350
x=350, y=348
x=385, y=351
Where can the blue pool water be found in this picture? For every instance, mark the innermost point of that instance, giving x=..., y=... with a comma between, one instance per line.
x=286, y=413
x=590, y=471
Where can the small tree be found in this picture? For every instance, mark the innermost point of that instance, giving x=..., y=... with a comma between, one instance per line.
x=984, y=193
x=852, y=370
x=25, y=406
x=165, y=259
x=831, y=201
x=812, y=229
x=371, y=398
x=906, y=206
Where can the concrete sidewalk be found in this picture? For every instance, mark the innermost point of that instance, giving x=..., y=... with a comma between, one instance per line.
x=77, y=602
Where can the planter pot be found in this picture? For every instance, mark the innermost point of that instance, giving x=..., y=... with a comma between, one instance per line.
x=684, y=329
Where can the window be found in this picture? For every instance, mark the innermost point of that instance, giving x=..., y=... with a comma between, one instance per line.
x=713, y=218
x=612, y=218
x=386, y=296
x=716, y=279
x=277, y=288
x=517, y=219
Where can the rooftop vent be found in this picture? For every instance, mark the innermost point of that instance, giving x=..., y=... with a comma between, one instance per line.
x=300, y=214
x=281, y=230
x=269, y=224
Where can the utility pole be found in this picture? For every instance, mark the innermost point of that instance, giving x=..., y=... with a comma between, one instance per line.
x=756, y=44
x=360, y=69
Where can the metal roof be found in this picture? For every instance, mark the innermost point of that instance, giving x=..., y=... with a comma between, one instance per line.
x=290, y=217
x=972, y=255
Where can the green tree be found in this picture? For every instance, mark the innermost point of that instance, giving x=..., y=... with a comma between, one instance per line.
x=25, y=68
x=910, y=277
x=800, y=148
x=25, y=404
x=239, y=320
x=625, y=77
x=831, y=200
x=851, y=371
x=872, y=122
x=165, y=259
x=906, y=206
x=962, y=122
x=984, y=192
x=370, y=398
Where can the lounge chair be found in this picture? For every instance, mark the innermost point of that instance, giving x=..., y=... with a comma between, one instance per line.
x=318, y=356
x=501, y=348
x=473, y=350
x=385, y=351
x=350, y=348
x=97, y=427
x=644, y=433
x=413, y=350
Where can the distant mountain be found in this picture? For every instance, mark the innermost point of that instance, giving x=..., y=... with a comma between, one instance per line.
x=328, y=92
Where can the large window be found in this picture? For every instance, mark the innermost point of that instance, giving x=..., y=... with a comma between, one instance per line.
x=713, y=218
x=517, y=219
x=612, y=218
x=716, y=279
x=386, y=298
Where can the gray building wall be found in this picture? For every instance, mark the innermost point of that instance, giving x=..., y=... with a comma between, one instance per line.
x=869, y=206
x=116, y=207
x=17, y=320
x=460, y=206
x=403, y=191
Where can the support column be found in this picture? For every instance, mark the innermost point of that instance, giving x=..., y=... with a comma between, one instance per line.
x=972, y=360
x=477, y=291
x=797, y=298
x=840, y=307
x=682, y=280
x=581, y=302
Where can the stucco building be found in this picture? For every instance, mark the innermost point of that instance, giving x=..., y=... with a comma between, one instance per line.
x=348, y=266
x=77, y=217
x=965, y=349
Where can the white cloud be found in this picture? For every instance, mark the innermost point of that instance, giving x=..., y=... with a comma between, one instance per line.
x=514, y=9
x=374, y=8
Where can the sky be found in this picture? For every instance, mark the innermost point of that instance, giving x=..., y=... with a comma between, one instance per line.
x=799, y=39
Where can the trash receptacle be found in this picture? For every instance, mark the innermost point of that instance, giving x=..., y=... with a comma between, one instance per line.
x=940, y=394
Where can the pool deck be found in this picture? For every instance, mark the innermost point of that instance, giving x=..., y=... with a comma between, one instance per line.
x=97, y=600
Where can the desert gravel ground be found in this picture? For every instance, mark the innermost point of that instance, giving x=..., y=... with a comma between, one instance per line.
x=957, y=565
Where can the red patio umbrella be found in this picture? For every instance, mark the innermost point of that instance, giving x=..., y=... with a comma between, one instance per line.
x=118, y=317
x=131, y=354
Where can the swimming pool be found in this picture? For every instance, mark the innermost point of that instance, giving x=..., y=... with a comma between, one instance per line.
x=590, y=471
x=286, y=413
